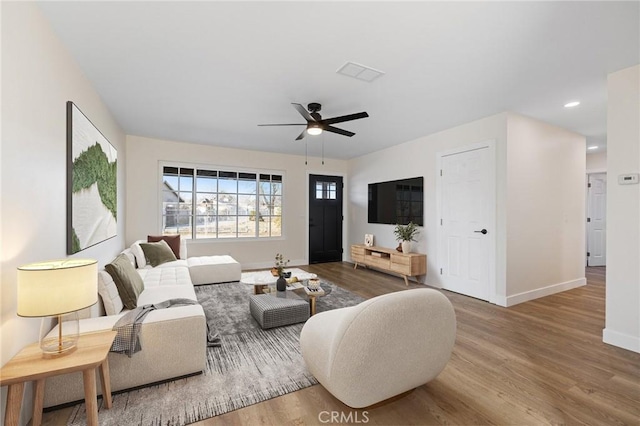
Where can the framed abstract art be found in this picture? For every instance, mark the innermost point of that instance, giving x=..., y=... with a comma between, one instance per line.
x=92, y=187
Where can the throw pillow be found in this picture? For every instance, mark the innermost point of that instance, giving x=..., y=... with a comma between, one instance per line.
x=108, y=292
x=127, y=279
x=130, y=256
x=172, y=240
x=157, y=253
x=138, y=254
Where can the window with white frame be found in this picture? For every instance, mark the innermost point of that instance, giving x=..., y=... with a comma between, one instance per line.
x=203, y=203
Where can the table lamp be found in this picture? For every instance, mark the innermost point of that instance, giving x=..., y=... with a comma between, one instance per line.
x=57, y=288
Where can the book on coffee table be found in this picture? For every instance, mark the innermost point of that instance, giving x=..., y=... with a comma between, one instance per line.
x=294, y=286
x=318, y=292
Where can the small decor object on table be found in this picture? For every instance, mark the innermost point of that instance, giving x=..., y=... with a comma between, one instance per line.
x=314, y=290
x=281, y=284
x=293, y=283
x=368, y=240
x=405, y=234
x=314, y=284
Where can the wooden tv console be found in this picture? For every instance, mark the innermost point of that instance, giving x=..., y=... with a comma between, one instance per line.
x=390, y=260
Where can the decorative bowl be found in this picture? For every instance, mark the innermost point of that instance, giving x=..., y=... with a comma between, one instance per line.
x=314, y=284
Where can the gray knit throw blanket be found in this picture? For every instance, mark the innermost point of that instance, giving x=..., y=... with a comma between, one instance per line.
x=127, y=339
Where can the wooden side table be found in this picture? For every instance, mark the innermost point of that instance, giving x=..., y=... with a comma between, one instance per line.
x=313, y=295
x=29, y=365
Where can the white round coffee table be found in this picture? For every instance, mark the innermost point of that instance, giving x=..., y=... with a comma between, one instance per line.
x=265, y=277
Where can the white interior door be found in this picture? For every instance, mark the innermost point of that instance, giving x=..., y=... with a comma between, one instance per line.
x=467, y=227
x=597, y=220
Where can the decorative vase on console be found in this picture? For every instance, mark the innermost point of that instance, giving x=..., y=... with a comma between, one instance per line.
x=406, y=247
x=281, y=283
x=405, y=234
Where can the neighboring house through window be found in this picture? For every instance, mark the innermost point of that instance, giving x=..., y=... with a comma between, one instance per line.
x=206, y=203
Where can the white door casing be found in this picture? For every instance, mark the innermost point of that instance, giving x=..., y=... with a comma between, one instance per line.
x=597, y=219
x=467, y=215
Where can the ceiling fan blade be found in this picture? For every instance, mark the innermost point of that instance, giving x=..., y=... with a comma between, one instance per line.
x=303, y=112
x=338, y=131
x=301, y=136
x=296, y=124
x=344, y=118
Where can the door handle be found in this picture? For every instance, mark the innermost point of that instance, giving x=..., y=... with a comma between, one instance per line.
x=484, y=231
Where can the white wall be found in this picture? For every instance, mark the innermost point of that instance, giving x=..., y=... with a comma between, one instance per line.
x=38, y=77
x=622, y=326
x=545, y=209
x=597, y=162
x=418, y=158
x=143, y=209
x=539, y=196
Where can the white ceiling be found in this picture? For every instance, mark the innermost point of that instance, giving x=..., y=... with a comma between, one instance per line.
x=209, y=72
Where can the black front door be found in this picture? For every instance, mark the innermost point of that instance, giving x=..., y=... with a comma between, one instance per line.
x=325, y=218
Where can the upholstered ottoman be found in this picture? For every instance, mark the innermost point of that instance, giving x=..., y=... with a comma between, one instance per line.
x=213, y=269
x=273, y=311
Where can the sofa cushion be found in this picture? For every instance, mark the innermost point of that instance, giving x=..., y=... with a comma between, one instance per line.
x=172, y=240
x=138, y=254
x=213, y=269
x=132, y=258
x=128, y=281
x=109, y=294
x=159, y=277
x=180, y=262
x=154, y=295
x=157, y=253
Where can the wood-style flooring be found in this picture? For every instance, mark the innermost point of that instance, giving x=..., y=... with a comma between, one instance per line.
x=540, y=362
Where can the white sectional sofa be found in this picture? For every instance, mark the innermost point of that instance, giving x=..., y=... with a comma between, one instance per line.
x=173, y=340
x=202, y=269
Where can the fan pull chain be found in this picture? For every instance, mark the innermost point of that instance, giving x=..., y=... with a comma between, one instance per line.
x=305, y=152
x=323, y=149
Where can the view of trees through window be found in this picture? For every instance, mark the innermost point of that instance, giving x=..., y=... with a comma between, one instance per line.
x=200, y=203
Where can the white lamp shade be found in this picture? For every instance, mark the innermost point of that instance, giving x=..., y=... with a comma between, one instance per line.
x=57, y=287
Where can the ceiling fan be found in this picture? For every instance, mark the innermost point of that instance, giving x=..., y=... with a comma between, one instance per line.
x=316, y=124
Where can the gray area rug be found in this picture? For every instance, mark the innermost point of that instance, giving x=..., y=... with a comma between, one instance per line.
x=252, y=365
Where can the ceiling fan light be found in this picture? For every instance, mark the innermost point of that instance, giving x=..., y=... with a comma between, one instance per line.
x=314, y=130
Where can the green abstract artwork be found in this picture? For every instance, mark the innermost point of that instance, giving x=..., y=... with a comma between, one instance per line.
x=92, y=189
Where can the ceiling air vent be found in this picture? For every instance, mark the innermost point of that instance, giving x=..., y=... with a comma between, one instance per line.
x=361, y=72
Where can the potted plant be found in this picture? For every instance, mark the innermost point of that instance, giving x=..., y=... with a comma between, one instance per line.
x=405, y=234
x=281, y=263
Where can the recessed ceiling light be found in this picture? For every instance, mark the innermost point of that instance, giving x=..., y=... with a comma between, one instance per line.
x=593, y=147
x=572, y=104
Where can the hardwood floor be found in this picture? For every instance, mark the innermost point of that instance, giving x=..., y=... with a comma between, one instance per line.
x=540, y=362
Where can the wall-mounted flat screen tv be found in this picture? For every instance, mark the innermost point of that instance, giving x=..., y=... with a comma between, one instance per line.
x=397, y=201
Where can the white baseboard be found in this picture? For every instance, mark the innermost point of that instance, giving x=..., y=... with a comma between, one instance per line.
x=437, y=286
x=541, y=292
x=500, y=301
x=621, y=340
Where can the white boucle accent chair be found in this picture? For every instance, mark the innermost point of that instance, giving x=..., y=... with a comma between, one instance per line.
x=382, y=347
